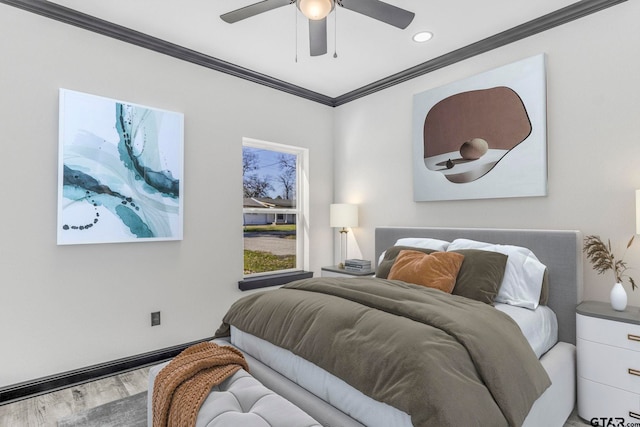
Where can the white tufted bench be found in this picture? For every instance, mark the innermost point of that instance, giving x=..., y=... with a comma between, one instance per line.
x=242, y=401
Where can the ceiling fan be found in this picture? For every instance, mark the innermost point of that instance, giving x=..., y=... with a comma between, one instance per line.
x=317, y=11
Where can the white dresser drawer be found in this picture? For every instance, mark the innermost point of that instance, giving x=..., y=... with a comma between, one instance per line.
x=598, y=400
x=610, y=365
x=619, y=334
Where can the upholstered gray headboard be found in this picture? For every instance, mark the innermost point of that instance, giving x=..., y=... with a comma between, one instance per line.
x=559, y=250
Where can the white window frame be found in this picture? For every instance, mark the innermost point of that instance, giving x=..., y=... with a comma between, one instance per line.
x=302, y=202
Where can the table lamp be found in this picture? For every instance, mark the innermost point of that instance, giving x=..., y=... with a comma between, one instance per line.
x=343, y=216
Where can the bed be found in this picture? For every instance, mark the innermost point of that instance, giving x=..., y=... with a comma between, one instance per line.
x=340, y=398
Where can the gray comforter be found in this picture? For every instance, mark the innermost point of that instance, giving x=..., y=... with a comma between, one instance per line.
x=443, y=359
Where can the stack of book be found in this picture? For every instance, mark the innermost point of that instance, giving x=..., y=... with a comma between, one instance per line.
x=357, y=265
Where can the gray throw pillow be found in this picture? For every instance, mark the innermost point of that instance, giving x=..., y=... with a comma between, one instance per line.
x=480, y=275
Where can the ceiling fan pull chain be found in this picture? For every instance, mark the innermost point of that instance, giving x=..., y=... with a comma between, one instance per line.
x=295, y=15
x=335, y=31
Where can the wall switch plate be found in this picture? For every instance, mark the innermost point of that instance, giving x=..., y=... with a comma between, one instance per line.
x=155, y=318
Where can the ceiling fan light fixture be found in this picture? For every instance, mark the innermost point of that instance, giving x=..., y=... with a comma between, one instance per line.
x=422, y=36
x=315, y=9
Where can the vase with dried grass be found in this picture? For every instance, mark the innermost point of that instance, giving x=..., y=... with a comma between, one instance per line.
x=603, y=259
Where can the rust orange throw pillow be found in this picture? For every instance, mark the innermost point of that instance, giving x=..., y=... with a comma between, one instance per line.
x=435, y=270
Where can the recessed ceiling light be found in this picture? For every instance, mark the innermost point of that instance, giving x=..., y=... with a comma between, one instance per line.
x=422, y=36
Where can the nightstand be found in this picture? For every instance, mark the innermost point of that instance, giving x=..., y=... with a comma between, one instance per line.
x=608, y=346
x=335, y=271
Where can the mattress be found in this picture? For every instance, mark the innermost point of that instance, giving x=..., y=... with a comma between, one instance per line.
x=538, y=326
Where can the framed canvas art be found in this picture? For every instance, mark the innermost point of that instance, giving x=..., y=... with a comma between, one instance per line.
x=120, y=171
x=484, y=136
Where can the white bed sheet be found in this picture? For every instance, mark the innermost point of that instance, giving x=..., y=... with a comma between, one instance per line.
x=552, y=408
x=539, y=326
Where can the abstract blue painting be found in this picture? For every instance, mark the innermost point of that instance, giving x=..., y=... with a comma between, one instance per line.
x=120, y=171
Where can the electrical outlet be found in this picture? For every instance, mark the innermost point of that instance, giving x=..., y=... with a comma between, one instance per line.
x=155, y=318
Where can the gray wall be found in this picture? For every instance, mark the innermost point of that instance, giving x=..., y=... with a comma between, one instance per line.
x=68, y=307
x=593, y=110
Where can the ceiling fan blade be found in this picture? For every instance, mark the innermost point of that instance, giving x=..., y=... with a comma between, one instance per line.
x=381, y=11
x=252, y=10
x=318, y=36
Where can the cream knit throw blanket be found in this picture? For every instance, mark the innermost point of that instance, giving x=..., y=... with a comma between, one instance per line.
x=182, y=385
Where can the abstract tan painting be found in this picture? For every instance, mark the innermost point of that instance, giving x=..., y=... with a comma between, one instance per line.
x=483, y=137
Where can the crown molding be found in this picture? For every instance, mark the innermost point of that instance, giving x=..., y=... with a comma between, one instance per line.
x=562, y=16
x=106, y=28
x=69, y=16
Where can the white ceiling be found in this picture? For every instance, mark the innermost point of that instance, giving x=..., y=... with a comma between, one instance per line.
x=368, y=50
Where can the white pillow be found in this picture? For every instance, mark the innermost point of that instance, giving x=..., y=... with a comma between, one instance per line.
x=523, y=275
x=419, y=242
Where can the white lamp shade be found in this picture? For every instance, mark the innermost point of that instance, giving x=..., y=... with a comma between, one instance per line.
x=343, y=215
x=315, y=9
x=637, y=211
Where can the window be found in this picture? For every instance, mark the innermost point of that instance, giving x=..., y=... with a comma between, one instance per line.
x=274, y=212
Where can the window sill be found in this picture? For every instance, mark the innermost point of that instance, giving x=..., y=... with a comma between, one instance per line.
x=272, y=280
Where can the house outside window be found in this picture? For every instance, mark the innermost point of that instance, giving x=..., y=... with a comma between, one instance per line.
x=274, y=209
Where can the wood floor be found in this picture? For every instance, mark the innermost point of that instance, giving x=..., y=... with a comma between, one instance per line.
x=46, y=410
